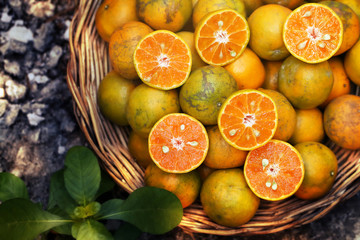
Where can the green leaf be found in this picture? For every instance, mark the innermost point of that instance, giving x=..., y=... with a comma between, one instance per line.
x=106, y=184
x=20, y=219
x=93, y=230
x=152, y=210
x=12, y=186
x=108, y=208
x=82, y=174
x=58, y=195
x=62, y=229
x=127, y=231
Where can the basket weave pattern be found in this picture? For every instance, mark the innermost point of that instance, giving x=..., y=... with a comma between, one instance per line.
x=89, y=63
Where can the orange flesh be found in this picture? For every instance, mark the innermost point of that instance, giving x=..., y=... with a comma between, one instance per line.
x=278, y=177
x=178, y=143
x=249, y=120
x=163, y=60
x=222, y=38
x=313, y=33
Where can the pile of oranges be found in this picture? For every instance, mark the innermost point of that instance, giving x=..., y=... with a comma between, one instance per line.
x=229, y=102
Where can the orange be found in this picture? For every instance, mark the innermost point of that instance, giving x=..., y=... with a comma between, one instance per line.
x=305, y=85
x=350, y=23
x=205, y=91
x=271, y=74
x=188, y=37
x=286, y=3
x=112, y=97
x=354, y=4
x=122, y=46
x=313, y=33
x=147, y=105
x=186, y=186
x=227, y=199
x=309, y=126
x=342, y=121
x=248, y=70
x=248, y=119
x=274, y=171
x=112, y=14
x=286, y=115
x=204, y=7
x=251, y=5
x=341, y=84
x=351, y=63
x=165, y=15
x=320, y=170
x=204, y=171
x=266, y=26
x=222, y=155
x=178, y=143
x=162, y=60
x=221, y=37
x=138, y=147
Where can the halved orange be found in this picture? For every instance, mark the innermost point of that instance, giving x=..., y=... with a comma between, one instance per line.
x=248, y=119
x=313, y=33
x=162, y=60
x=221, y=37
x=178, y=143
x=274, y=171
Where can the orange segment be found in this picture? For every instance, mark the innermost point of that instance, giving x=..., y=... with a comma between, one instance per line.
x=178, y=143
x=274, y=171
x=313, y=33
x=162, y=60
x=221, y=37
x=248, y=119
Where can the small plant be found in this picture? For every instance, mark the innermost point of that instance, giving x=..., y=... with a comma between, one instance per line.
x=73, y=209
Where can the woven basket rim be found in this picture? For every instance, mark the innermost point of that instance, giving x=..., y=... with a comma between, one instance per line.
x=88, y=64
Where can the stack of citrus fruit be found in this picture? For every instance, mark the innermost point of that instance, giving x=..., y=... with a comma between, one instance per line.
x=230, y=101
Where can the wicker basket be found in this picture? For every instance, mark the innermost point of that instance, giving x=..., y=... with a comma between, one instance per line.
x=88, y=65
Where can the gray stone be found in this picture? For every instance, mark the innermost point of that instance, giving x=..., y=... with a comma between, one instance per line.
x=14, y=90
x=16, y=6
x=20, y=33
x=54, y=56
x=12, y=67
x=5, y=19
x=34, y=135
x=3, y=106
x=11, y=114
x=34, y=119
x=43, y=36
x=66, y=33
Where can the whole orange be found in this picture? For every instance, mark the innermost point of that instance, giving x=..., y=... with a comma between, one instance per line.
x=272, y=69
x=204, y=92
x=342, y=121
x=227, y=199
x=139, y=149
x=122, y=46
x=286, y=3
x=350, y=23
x=251, y=5
x=186, y=186
x=351, y=63
x=203, y=7
x=309, y=126
x=286, y=115
x=112, y=97
x=305, y=85
x=341, y=81
x=147, y=105
x=247, y=70
x=320, y=170
x=112, y=14
x=222, y=155
x=266, y=27
x=354, y=4
x=165, y=15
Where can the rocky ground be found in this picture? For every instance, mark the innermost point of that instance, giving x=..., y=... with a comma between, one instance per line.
x=37, y=125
